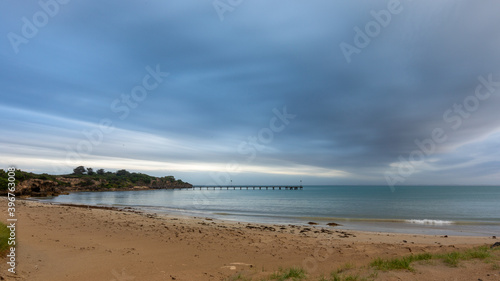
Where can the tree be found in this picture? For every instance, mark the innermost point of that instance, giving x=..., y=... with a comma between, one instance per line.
x=3, y=179
x=90, y=171
x=100, y=172
x=80, y=170
x=122, y=172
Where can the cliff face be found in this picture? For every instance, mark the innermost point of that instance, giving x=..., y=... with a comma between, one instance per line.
x=61, y=185
x=36, y=187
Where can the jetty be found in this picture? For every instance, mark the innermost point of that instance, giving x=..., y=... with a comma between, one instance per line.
x=248, y=187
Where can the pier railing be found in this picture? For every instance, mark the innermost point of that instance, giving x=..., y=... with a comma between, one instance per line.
x=247, y=187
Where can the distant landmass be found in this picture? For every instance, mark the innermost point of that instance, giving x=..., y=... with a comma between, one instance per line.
x=85, y=179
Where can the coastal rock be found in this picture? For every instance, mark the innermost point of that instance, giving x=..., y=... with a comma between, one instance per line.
x=326, y=231
x=37, y=187
x=497, y=244
x=47, y=185
x=333, y=224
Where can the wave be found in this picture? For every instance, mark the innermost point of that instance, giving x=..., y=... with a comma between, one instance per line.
x=395, y=220
x=431, y=222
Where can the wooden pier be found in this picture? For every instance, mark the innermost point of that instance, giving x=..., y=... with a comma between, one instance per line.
x=248, y=187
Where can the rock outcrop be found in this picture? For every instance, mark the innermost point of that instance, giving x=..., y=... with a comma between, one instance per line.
x=62, y=185
x=37, y=187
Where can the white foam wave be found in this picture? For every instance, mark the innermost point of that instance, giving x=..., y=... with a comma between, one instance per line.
x=427, y=221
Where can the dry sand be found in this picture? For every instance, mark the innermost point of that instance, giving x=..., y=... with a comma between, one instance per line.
x=79, y=243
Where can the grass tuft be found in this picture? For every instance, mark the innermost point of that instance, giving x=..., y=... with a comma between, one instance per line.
x=4, y=237
x=294, y=273
x=239, y=277
x=391, y=264
x=345, y=267
x=342, y=277
x=399, y=263
x=453, y=258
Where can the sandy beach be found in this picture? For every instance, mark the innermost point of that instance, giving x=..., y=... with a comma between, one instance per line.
x=57, y=242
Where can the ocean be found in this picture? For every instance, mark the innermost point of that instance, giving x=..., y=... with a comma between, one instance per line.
x=434, y=210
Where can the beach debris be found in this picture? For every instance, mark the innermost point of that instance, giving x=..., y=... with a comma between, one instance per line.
x=270, y=228
x=345, y=234
x=312, y=223
x=326, y=231
x=230, y=267
x=306, y=229
x=497, y=244
x=262, y=227
x=243, y=264
x=333, y=224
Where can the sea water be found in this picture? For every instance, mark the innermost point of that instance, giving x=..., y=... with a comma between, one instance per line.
x=437, y=210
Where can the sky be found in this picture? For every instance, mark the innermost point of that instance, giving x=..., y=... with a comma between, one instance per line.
x=254, y=92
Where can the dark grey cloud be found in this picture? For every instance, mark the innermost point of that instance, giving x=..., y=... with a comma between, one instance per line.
x=226, y=77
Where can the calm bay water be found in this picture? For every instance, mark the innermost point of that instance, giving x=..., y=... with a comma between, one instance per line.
x=452, y=210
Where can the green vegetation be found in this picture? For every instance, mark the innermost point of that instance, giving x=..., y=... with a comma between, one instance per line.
x=23, y=176
x=4, y=236
x=299, y=274
x=293, y=273
x=3, y=180
x=239, y=277
x=341, y=277
x=349, y=272
x=451, y=259
x=345, y=267
x=98, y=179
x=121, y=178
x=399, y=263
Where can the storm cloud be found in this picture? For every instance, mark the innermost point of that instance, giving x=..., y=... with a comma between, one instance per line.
x=73, y=89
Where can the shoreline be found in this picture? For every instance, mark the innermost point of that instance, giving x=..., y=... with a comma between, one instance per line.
x=66, y=242
x=398, y=226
